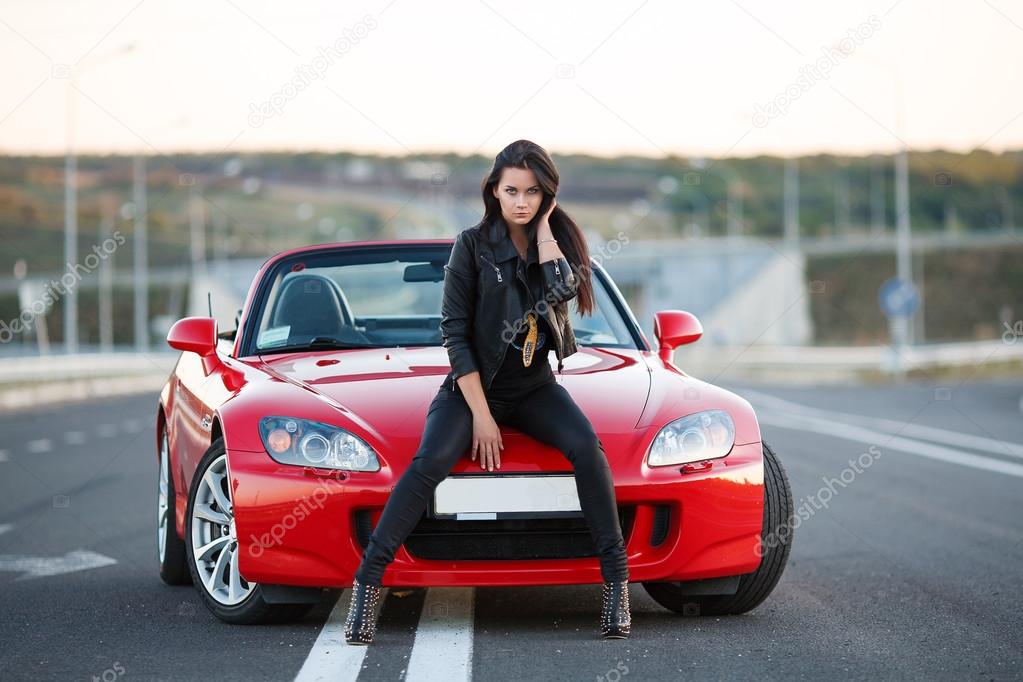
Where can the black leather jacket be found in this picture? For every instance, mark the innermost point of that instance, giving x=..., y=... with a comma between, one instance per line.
x=483, y=305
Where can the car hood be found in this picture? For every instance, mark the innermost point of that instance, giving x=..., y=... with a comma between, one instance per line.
x=391, y=388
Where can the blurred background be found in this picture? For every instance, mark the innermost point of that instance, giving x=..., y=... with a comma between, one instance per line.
x=833, y=190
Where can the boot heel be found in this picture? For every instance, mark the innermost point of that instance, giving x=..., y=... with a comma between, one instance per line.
x=361, y=622
x=615, y=616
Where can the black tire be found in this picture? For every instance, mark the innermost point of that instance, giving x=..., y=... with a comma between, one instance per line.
x=253, y=609
x=776, y=537
x=174, y=562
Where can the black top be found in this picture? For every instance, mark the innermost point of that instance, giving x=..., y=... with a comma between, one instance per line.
x=513, y=378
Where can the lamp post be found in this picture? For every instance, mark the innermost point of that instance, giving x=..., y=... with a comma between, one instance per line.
x=71, y=193
x=791, y=202
x=141, y=253
x=901, y=324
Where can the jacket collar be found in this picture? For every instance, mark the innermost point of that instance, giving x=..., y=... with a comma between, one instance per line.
x=504, y=247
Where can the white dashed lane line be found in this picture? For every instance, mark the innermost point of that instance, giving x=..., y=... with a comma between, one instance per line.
x=131, y=426
x=331, y=657
x=443, y=648
x=886, y=440
x=74, y=437
x=886, y=433
x=78, y=437
x=442, y=651
x=106, y=430
x=909, y=429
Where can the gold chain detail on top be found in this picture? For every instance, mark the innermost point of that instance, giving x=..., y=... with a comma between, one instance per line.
x=529, y=345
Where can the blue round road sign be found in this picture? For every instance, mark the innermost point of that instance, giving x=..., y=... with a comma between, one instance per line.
x=898, y=297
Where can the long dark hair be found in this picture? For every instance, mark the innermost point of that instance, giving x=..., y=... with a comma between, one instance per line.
x=531, y=156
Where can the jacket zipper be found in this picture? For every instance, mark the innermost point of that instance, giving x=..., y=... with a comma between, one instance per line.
x=557, y=333
x=504, y=350
x=557, y=271
x=552, y=322
x=496, y=269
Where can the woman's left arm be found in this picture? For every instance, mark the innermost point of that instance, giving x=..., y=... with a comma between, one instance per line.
x=560, y=282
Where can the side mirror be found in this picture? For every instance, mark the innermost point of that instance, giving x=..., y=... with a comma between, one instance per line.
x=195, y=335
x=675, y=328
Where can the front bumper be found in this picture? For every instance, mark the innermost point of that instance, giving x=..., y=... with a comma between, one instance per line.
x=304, y=526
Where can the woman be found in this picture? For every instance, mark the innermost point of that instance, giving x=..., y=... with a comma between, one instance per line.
x=500, y=373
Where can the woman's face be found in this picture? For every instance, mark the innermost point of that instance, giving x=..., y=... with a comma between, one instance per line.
x=520, y=195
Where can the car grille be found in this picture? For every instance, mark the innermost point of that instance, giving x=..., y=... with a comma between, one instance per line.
x=503, y=539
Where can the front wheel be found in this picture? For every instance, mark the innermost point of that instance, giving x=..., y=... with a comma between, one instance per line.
x=775, y=543
x=213, y=550
x=170, y=548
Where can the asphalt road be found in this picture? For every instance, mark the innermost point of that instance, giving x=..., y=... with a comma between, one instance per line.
x=910, y=565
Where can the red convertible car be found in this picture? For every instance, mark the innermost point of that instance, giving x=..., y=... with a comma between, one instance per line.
x=279, y=443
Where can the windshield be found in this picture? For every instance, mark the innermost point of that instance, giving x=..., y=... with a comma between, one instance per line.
x=376, y=297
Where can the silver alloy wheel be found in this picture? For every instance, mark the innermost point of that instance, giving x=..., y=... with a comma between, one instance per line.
x=214, y=539
x=163, y=502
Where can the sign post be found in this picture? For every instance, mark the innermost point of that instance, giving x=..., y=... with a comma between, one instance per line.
x=899, y=299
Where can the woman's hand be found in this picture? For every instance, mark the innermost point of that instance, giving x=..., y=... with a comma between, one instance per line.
x=547, y=216
x=486, y=437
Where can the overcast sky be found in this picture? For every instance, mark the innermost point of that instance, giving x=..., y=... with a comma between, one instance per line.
x=655, y=77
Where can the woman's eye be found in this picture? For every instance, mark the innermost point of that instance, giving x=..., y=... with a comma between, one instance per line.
x=533, y=191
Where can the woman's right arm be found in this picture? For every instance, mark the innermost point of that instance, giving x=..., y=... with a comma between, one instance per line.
x=457, y=307
x=486, y=434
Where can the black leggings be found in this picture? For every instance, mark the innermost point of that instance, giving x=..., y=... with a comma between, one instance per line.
x=546, y=413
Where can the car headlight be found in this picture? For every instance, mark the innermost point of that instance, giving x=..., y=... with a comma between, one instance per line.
x=304, y=442
x=704, y=435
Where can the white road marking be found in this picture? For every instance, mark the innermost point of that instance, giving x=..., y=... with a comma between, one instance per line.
x=943, y=436
x=4, y=457
x=443, y=646
x=4, y=527
x=74, y=437
x=886, y=440
x=332, y=658
x=40, y=445
x=38, y=567
x=131, y=425
x=106, y=430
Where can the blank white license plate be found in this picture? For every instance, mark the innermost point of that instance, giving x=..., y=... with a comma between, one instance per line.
x=492, y=497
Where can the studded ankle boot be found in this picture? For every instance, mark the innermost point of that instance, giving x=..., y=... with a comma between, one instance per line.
x=615, y=618
x=361, y=622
